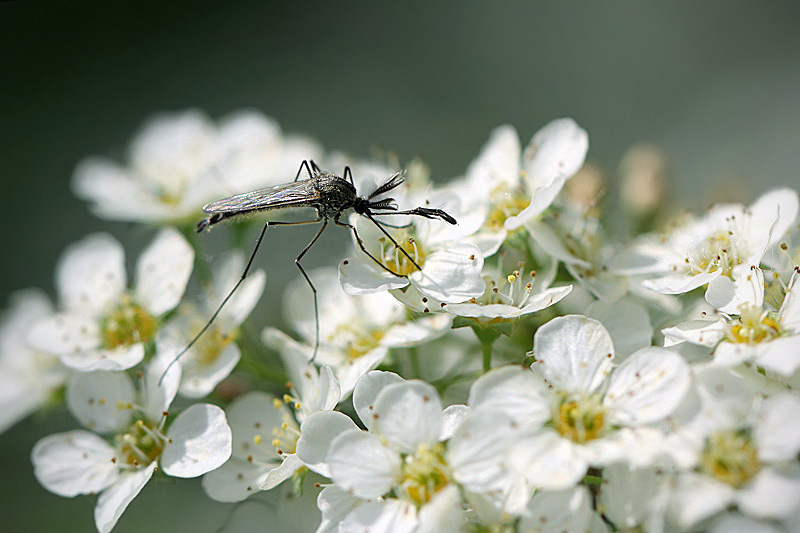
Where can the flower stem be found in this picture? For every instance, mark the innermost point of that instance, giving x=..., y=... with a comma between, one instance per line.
x=486, y=336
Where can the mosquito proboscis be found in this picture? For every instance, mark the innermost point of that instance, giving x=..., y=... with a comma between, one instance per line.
x=330, y=195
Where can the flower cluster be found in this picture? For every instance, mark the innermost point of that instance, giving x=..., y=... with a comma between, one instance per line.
x=526, y=369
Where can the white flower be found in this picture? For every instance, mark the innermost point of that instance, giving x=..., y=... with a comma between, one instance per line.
x=509, y=296
x=755, y=333
x=180, y=161
x=720, y=248
x=450, y=266
x=103, y=325
x=595, y=416
x=28, y=377
x=512, y=188
x=82, y=462
x=212, y=358
x=355, y=332
x=733, y=451
x=402, y=453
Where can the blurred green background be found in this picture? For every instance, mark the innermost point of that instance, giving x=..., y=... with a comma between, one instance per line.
x=715, y=84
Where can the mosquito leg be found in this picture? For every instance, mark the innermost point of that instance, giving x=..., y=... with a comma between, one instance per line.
x=387, y=225
x=363, y=249
x=405, y=253
x=315, y=167
x=313, y=289
x=304, y=164
x=348, y=174
x=233, y=290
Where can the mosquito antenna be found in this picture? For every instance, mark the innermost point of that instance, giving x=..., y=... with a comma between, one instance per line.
x=426, y=212
x=392, y=182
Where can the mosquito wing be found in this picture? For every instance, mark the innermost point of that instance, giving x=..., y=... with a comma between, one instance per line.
x=294, y=194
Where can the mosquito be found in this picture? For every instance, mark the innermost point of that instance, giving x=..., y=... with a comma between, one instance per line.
x=330, y=195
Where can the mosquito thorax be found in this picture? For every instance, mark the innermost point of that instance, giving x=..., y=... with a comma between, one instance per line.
x=336, y=194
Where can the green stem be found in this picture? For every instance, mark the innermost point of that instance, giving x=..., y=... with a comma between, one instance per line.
x=486, y=336
x=413, y=355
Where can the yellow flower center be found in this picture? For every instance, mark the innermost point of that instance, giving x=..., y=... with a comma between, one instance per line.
x=395, y=260
x=510, y=204
x=140, y=445
x=580, y=419
x=127, y=324
x=754, y=326
x=425, y=472
x=731, y=457
x=718, y=252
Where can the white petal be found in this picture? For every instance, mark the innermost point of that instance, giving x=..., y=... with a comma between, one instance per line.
x=476, y=450
x=359, y=463
x=556, y=150
x=316, y=434
x=647, y=387
x=362, y=276
x=91, y=274
x=114, y=500
x=335, y=504
x=697, y=497
x=199, y=381
x=392, y=516
x=770, y=495
x=101, y=401
x=408, y=414
x=498, y=162
x=163, y=270
x=514, y=391
x=557, y=511
x=65, y=333
x=790, y=308
x=417, y=331
x=780, y=355
x=451, y=274
x=772, y=215
x=701, y=332
x=77, y=462
x=626, y=494
x=452, y=416
x=367, y=389
x=547, y=461
x=680, y=283
x=553, y=244
x=777, y=432
x=443, y=513
x=253, y=417
x=542, y=195
x=291, y=464
x=235, y=480
x=746, y=288
x=121, y=358
x=200, y=442
x=576, y=353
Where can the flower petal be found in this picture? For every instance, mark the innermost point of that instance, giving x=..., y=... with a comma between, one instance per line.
x=553, y=511
x=101, y=401
x=65, y=333
x=627, y=322
x=451, y=273
x=367, y=389
x=253, y=417
x=359, y=463
x=680, y=283
x=235, y=480
x=316, y=434
x=286, y=469
x=391, y=516
x=91, y=274
x=77, y=462
x=362, y=276
x=121, y=358
x=647, y=387
x=163, y=270
x=114, y=500
x=408, y=414
x=576, y=353
x=777, y=432
x=770, y=495
x=514, y=391
x=200, y=442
